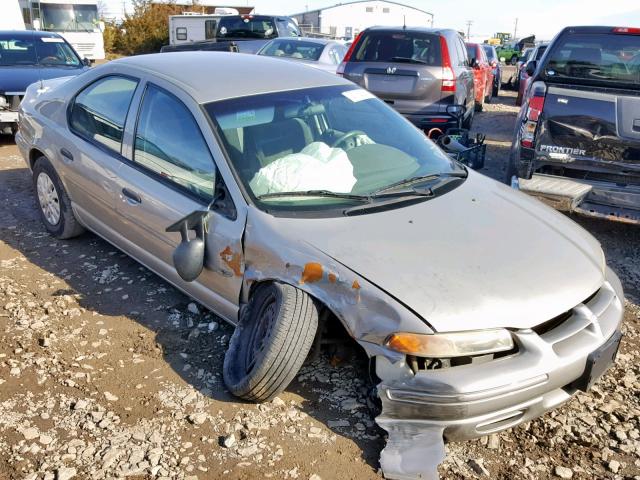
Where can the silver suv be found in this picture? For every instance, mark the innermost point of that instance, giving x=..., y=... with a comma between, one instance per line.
x=419, y=71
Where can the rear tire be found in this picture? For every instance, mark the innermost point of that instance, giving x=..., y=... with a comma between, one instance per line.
x=270, y=342
x=514, y=60
x=479, y=106
x=489, y=96
x=53, y=202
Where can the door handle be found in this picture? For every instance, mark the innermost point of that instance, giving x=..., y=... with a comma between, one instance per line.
x=68, y=157
x=132, y=197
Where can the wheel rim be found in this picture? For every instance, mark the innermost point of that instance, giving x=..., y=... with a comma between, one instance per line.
x=48, y=198
x=260, y=331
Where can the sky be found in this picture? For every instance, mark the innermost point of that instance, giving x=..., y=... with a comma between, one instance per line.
x=544, y=18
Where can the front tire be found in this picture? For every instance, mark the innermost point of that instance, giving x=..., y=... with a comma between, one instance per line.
x=270, y=342
x=53, y=202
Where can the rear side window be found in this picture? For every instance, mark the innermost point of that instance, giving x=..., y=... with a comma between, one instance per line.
x=472, y=52
x=181, y=33
x=595, y=58
x=169, y=143
x=409, y=47
x=210, y=29
x=99, y=112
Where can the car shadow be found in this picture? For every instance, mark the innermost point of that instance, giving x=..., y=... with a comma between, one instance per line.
x=191, y=340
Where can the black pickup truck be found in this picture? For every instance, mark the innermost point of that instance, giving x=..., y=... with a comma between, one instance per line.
x=577, y=137
x=242, y=33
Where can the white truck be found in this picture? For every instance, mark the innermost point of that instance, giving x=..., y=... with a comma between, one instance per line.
x=195, y=27
x=76, y=20
x=11, y=17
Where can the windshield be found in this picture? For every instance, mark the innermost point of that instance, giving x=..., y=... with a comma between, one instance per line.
x=491, y=53
x=540, y=52
x=299, y=49
x=595, y=58
x=399, y=47
x=334, y=140
x=58, y=17
x=50, y=51
x=246, y=26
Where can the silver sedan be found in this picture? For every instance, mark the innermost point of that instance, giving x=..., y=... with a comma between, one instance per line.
x=281, y=198
x=316, y=52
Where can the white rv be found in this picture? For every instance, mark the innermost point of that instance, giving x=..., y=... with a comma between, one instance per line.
x=11, y=17
x=76, y=20
x=195, y=27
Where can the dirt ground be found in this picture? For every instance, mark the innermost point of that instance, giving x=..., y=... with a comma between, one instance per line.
x=106, y=371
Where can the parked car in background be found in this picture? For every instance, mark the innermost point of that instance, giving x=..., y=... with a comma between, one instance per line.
x=577, y=139
x=510, y=52
x=419, y=71
x=244, y=33
x=482, y=75
x=523, y=77
x=315, y=52
x=313, y=204
x=494, y=61
x=27, y=57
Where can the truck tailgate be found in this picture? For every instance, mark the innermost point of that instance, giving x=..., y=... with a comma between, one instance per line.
x=592, y=130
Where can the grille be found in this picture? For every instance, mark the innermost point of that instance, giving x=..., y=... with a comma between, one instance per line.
x=84, y=47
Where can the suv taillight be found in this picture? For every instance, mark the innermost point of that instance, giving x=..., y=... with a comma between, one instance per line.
x=534, y=106
x=448, y=76
x=347, y=57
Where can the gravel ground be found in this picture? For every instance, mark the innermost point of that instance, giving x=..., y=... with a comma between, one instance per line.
x=106, y=371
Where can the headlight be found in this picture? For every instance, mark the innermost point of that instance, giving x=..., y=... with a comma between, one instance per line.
x=455, y=344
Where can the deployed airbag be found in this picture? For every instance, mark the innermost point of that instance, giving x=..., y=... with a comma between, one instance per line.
x=315, y=167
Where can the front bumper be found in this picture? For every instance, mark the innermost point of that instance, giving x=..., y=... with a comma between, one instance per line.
x=587, y=197
x=8, y=116
x=477, y=399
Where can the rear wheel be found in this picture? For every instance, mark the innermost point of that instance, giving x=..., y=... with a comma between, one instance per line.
x=271, y=342
x=514, y=60
x=53, y=202
x=489, y=95
x=479, y=105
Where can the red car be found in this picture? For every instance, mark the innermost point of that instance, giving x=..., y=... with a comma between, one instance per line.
x=482, y=74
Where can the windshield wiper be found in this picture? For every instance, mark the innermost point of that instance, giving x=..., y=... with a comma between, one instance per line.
x=316, y=193
x=408, y=60
x=421, y=178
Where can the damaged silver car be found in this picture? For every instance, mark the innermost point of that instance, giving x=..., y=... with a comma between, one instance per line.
x=282, y=197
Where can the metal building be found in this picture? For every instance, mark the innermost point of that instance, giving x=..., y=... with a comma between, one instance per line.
x=346, y=20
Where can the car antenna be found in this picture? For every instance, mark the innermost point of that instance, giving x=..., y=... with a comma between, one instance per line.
x=404, y=22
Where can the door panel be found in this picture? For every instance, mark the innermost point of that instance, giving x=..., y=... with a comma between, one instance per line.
x=91, y=153
x=171, y=173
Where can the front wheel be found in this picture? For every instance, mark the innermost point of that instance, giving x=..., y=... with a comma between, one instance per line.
x=270, y=342
x=53, y=202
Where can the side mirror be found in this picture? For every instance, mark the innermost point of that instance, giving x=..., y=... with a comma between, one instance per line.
x=86, y=62
x=188, y=257
x=494, y=64
x=531, y=67
x=502, y=59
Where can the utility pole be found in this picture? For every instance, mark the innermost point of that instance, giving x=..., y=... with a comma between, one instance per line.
x=469, y=23
x=515, y=30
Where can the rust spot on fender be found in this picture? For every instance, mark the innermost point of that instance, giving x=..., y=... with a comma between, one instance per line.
x=312, y=273
x=332, y=277
x=355, y=285
x=233, y=260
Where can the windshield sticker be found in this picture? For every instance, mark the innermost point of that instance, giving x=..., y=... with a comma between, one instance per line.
x=358, y=95
x=52, y=40
x=246, y=116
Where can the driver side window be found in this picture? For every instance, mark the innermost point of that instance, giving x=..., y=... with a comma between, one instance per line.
x=169, y=143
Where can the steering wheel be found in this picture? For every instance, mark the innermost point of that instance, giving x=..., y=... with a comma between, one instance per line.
x=348, y=136
x=50, y=58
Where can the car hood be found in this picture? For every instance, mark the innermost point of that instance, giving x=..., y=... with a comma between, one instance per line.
x=17, y=79
x=480, y=256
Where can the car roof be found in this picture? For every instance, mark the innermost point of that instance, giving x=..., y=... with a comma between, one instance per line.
x=214, y=76
x=380, y=28
x=29, y=34
x=320, y=41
